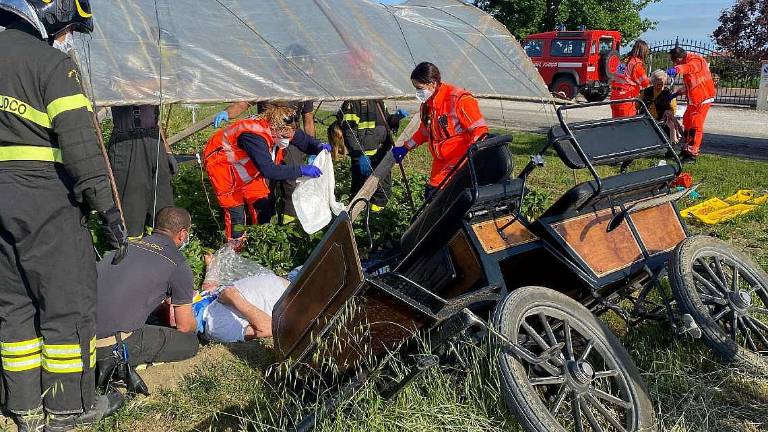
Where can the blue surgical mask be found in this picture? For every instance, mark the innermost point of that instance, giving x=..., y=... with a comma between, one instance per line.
x=185, y=243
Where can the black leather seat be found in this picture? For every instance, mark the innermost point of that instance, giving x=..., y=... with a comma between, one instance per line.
x=620, y=188
x=442, y=216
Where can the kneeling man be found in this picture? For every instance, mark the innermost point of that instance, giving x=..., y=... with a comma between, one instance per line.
x=153, y=271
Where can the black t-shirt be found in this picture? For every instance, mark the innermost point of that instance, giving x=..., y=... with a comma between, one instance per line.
x=152, y=270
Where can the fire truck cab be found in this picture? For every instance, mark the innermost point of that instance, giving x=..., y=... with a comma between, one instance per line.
x=570, y=62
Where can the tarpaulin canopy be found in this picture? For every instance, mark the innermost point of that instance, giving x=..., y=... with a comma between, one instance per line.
x=171, y=51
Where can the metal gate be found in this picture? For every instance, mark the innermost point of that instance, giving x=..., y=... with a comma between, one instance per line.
x=737, y=80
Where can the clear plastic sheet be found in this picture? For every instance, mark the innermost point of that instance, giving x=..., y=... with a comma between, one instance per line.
x=228, y=266
x=188, y=51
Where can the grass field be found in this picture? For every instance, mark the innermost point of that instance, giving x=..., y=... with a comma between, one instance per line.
x=226, y=388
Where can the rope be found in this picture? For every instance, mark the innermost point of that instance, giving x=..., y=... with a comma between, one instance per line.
x=159, y=135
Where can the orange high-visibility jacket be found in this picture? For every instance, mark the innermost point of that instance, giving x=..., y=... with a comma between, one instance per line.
x=451, y=121
x=630, y=78
x=233, y=175
x=697, y=78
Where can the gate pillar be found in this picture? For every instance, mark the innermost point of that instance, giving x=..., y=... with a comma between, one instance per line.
x=762, y=94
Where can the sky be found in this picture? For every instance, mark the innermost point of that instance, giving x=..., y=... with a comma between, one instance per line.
x=690, y=19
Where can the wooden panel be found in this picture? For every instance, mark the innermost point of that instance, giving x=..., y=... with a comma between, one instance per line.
x=604, y=252
x=468, y=269
x=659, y=228
x=492, y=241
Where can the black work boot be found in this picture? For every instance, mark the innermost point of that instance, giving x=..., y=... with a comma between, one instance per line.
x=32, y=421
x=104, y=406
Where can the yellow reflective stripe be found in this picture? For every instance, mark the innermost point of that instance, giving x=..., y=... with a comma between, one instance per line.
x=375, y=208
x=61, y=351
x=62, y=366
x=352, y=117
x=68, y=103
x=33, y=153
x=93, y=360
x=80, y=10
x=93, y=345
x=367, y=125
x=370, y=152
x=28, y=346
x=20, y=364
x=24, y=110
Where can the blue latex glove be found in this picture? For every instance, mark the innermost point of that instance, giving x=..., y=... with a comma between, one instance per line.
x=402, y=113
x=399, y=153
x=220, y=118
x=672, y=72
x=327, y=147
x=310, y=171
x=365, y=165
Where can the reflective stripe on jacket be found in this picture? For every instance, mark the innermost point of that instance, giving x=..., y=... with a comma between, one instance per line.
x=698, y=80
x=451, y=121
x=630, y=78
x=232, y=173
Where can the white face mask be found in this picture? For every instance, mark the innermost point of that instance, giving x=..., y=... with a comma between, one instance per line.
x=423, y=95
x=185, y=243
x=67, y=45
x=283, y=143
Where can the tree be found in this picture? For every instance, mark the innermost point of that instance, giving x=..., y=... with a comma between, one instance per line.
x=523, y=17
x=743, y=29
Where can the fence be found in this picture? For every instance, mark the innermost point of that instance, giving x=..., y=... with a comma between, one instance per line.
x=737, y=80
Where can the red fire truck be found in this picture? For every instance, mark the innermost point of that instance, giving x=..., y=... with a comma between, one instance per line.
x=570, y=62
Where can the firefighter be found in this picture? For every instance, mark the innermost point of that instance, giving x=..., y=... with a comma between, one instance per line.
x=51, y=169
x=143, y=176
x=241, y=160
x=451, y=122
x=365, y=131
x=700, y=89
x=630, y=79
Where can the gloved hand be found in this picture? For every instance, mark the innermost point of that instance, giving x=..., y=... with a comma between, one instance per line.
x=399, y=153
x=365, y=165
x=327, y=147
x=220, y=118
x=173, y=164
x=402, y=113
x=310, y=171
x=117, y=235
x=671, y=71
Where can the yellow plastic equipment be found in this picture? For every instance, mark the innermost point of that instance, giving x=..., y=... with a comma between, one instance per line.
x=748, y=196
x=724, y=214
x=703, y=208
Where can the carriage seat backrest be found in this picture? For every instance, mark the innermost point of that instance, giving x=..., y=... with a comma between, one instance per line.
x=442, y=215
x=609, y=141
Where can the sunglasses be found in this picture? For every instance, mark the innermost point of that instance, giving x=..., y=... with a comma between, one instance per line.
x=292, y=119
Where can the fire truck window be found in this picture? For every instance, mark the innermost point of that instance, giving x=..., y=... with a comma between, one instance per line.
x=606, y=44
x=567, y=48
x=534, y=48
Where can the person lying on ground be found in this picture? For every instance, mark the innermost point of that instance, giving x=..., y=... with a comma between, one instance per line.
x=153, y=270
x=242, y=310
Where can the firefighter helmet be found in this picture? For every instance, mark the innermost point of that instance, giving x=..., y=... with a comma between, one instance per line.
x=57, y=15
x=12, y=10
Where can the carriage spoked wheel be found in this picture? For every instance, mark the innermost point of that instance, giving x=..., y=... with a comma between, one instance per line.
x=591, y=384
x=726, y=293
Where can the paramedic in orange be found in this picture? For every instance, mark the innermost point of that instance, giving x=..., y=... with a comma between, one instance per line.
x=451, y=122
x=630, y=79
x=700, y=89
x=242, y=158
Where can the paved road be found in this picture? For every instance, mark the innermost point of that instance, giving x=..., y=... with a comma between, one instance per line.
x=729, y=131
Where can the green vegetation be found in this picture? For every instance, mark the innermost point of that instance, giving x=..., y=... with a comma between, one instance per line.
x=229, y=388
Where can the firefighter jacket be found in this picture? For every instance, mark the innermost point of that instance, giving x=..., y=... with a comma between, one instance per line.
x=45, y=117
x=697, y=78
x=451, y=121
x=630, y=78
x=363, y=127
x=233, y=175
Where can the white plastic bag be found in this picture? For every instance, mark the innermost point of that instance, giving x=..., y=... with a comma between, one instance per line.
x=314, y=198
